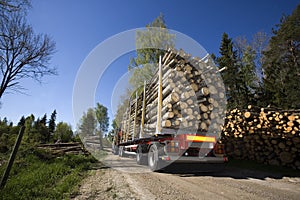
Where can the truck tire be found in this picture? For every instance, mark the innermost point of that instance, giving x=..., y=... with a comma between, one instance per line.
x=141, y=158
x=154, y=163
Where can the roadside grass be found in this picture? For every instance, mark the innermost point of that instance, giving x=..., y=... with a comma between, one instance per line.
x=38, y=175
x=255, y=166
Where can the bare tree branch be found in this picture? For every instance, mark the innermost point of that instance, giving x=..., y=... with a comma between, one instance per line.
x=9, y=6
x=23, y=54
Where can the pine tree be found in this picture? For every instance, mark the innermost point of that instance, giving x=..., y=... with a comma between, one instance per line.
x=282, y=63
x=52, y=124
x=43, y=121
x=22, y=121
x=235, y=88
x=43, y=130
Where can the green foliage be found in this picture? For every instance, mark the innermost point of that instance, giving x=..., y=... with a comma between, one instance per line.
x=243, y=61
x=88, y=123
x=145, y=63
x=124, y=102
x=102, y=117
x=262, y=73
x=52, y=178
x=232, y=76
x=248, y=68
x=103, y=121
x=94, y=122
x=41, y=131
x=63, y=132
x=28, y=127
x=52, y=123
x=282, y=63
x=114, y=124
x=8, y=134
x=37, y=131
x=22, y=121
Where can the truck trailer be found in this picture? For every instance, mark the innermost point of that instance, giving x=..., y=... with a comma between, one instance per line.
x=177, y=116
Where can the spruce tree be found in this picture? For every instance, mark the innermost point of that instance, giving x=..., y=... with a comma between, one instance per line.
x=22, y=121
x=52, y=124
x=281, y=67
x=235, y=89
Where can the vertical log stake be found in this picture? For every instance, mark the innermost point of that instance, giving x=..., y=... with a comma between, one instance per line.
x=12, y=158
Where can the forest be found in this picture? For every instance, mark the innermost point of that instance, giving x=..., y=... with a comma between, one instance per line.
x=263, y=72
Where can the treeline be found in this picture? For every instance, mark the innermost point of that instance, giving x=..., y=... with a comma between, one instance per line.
x=94, y=122
x=37, y=131
x=263, y=72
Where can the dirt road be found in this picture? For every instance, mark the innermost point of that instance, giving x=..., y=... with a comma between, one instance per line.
x=124, y=179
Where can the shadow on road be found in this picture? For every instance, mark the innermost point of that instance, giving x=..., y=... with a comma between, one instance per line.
x=237, y=169
x=188, y=170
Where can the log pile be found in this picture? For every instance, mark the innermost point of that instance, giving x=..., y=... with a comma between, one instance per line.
x=64, y=148
x=193, y=98
x=266, y=135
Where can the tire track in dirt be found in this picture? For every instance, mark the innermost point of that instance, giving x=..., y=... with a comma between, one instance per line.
x=127, y=180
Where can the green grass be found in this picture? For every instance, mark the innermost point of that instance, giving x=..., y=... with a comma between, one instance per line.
x=38, y=175
x=252, y=165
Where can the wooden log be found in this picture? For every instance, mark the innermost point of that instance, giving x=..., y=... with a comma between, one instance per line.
x=171, y=98
x=166, y=123
x=204, y=92
x=203, y=108
x=175, y=123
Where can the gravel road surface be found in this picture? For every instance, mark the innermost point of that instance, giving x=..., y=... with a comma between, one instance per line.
x=122, y=178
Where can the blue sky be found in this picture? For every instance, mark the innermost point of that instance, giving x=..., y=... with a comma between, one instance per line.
x=78, y=26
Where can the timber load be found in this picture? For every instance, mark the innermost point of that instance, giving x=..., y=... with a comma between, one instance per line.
x=267, y=135
x=189, y=92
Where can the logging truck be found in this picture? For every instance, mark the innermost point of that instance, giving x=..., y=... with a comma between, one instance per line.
x=177, y=116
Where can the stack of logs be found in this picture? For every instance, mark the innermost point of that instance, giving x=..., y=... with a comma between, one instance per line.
x=266, y=135
x=64, y=148
x=192, y=97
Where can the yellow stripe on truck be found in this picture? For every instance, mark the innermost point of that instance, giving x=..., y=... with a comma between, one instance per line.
x=197, y=138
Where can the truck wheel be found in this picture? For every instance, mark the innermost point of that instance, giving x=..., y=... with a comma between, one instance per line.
x=141, y=159
x=153, y=160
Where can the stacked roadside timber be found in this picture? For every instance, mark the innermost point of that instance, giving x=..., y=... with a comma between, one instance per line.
x=193, y=98
x=58, y=149
x=266, y=135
